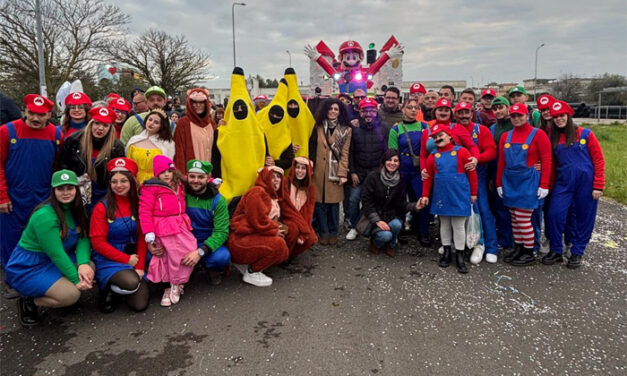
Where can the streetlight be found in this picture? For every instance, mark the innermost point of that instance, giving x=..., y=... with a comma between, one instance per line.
x=290, y=55
x=43, y=90
x=535, y=72
x=233, y=23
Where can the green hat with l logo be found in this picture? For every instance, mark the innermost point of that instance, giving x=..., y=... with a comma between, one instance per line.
x=202, y=167
x=64, y=177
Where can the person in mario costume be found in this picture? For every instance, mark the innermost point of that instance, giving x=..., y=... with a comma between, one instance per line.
x=28, y=149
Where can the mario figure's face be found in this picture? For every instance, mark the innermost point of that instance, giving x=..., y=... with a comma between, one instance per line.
x=351, y=59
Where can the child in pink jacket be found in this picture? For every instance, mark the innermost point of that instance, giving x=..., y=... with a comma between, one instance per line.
x=163, y=220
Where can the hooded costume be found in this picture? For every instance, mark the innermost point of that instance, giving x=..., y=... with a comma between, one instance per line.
x=241, y=147
x=300, y=121
x=254, y=238
x=273, y=122
x=194, y=134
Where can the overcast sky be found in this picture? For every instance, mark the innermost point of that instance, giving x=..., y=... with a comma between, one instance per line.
x=478, y=41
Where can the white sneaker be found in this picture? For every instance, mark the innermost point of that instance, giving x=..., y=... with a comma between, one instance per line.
x=257, y=279
x=477, y=255
x=175, y=293
x=352, y=234
x=491, y=258
x=241, y=268
x=165, y=300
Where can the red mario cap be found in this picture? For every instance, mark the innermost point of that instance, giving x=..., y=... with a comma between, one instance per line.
x=545, y=101
x=351, y=45
x=122, y=164
x=518, y=108
x=437, y=128
x=561, y=107
x=260, y=97
x=77, y=98
x=463, y=106
x=38, y=104
x=488, y=92
x=102, y=114
x=443, y=102
x=368, y=102
x=120, y=104
x=417, y=87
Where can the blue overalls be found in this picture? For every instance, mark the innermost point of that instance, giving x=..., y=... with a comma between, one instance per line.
x=482, y=205
x=572, y=192
x=521, y=182
x=504, y=235
x=202, y=225
x=451, y=189
x=411, y=173
x=122, y=231
x=28, y=171
x=33, y=273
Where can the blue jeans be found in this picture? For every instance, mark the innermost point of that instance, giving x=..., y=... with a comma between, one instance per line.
x=328, y=218
x=354, y=201
x=380, y=238
x=218, y=260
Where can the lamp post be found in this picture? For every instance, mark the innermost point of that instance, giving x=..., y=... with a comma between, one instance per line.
x=535, y=71
x=43, y=90
x=233, y=23
x=290, y=55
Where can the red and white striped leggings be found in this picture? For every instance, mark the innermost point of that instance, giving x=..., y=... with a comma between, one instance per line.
x=521, y=226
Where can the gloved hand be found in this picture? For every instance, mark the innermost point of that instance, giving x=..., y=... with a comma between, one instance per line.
x=395, y=51
x=542, y=193
x=499, y=190
x=149, y=237
x=312, y=53
x=217, y=181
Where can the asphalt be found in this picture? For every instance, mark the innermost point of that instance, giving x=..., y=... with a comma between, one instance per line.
x=344, y=311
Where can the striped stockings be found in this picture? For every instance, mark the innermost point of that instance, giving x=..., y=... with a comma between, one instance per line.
x=521, y=226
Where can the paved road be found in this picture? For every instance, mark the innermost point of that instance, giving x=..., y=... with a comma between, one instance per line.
x=343, y=311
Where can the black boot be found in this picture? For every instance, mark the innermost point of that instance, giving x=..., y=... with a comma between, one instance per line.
x=107, y=301
x=513, y=254
x=425, y=240
x=467, y=252
x=574, y=262
x=445, y=260
x=28, y=312
x=461, y=264
x=525, y=258
x=552, y=258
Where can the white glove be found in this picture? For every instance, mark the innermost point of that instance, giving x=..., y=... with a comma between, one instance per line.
x=149, y=237
x=312, y=53
x=499, y=190
x=395, y=51
x=542, y=193
x=217, y=181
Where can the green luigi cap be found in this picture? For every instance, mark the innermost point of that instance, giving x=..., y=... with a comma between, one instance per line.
x=155, y=90
x=516, y=89
x=199, y=166
x=64, y=177
x=500, y=100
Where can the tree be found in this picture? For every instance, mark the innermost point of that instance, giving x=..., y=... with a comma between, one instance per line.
x=163, y=60
x=568, y=88
x=607, y=80
x=267, y=82
x=75, y=32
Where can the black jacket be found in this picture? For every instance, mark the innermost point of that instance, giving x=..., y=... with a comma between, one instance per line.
x=70, y=157
x=380, y=203
x=368, y=143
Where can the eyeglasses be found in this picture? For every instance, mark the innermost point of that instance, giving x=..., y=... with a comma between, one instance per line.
x=120, y=111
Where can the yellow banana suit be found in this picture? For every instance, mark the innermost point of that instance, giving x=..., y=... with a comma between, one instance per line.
x=240, y=141
x=273, y=122
x=300, y=121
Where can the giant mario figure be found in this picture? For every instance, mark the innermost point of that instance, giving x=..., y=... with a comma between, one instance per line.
x=350, y=74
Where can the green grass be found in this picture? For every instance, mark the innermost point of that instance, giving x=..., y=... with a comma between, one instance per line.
x=612, y=138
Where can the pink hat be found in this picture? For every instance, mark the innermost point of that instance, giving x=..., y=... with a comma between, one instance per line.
x=161, y=163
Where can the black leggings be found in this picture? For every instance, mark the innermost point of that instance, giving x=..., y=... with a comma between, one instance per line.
x=129, y=280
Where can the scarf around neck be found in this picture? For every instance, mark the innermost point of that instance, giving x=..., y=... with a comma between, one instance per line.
x=390, y=179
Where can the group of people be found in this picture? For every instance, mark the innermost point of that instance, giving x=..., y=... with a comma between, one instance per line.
x=120, y=196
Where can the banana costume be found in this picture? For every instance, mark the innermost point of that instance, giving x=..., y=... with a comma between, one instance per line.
x=300, y=121
x=273, y=122
x=240, y=141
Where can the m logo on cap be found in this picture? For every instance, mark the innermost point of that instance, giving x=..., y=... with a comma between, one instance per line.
x=351, y=43
x=416, y=86
x=557, y=106
x=197, y=164
x=444, y=101
x=120, y=163
x=515, y=108
x=463, y=104
x=76, y=95
x=120, y=101
x=103, y=112
x=38, y=101
x=544, y=100
x=65, y=177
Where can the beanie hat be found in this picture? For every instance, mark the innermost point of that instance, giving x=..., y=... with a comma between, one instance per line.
x=161, y=163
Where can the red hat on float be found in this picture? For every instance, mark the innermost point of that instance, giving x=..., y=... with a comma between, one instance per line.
x=122, y=164
x=437, y=128
x=113, y=96
x=368, y=102
x=120, y=104
x=351, y=45
x=561, y=107
x=545, y=101
x=102, y=115
x=417, y=87
x=519, y=108
x=463, y=106
x=38, y=104
x=77, y=98
x=488, y=92
x=443, y=102
x=261, y=97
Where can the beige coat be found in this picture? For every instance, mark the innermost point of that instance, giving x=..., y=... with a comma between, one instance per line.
x=333, y=192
